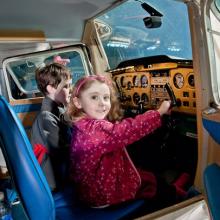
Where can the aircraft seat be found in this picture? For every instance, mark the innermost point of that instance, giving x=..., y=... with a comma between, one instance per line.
x=30, y=182
x=212, y=188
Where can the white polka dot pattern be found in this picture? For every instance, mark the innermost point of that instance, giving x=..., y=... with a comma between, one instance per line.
x=100, y=164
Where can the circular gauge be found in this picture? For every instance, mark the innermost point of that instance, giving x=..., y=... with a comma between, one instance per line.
x=122, y=82
x=191, y=80
x=178, y=80
x=136, y=81
x=144, y=81
x=144, y=98
x=136, y=98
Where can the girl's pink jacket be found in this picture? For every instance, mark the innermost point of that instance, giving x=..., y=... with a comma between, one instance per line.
x=101, y=167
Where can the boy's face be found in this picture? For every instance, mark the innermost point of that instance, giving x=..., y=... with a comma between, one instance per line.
x=61, y=94
x=95, y=101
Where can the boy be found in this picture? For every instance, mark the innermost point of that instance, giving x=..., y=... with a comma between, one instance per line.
x=50, y=136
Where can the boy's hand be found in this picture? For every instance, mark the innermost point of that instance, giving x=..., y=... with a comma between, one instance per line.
x=164, y=107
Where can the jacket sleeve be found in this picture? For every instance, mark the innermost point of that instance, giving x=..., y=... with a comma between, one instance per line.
x=129, y=130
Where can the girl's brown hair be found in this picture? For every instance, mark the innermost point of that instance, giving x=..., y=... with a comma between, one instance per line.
x=73, y=113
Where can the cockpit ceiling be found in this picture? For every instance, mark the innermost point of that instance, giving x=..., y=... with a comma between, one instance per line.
x=58, y=19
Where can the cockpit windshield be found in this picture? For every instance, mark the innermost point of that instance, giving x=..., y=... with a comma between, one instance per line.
x=124, y=35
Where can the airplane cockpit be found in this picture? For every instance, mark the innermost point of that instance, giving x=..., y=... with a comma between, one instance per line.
x=142, y=85
x=152, y=51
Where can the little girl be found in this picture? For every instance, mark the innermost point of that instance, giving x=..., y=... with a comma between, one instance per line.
x=101, y=166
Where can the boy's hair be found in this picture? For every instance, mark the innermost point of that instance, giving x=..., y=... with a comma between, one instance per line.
x=73, y=113
x=51, y=74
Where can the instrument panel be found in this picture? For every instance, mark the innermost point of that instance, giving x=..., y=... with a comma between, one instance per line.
x=146, y=85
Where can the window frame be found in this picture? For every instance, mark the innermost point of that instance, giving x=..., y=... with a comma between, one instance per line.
x=213, y=50
x=79, y=48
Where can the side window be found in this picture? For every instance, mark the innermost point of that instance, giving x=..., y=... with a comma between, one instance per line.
x=21, y=79
x=21, y=71
x=75, y=65
x=214, y=48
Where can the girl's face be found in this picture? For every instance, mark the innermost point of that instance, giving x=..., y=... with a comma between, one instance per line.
x=95, y=101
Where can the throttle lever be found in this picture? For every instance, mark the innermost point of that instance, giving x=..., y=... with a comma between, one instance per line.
x=171, y=94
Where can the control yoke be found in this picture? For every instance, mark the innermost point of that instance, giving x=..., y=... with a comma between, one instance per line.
x=171, y=94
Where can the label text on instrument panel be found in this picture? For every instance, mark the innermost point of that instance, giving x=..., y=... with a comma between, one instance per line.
x=159, y=80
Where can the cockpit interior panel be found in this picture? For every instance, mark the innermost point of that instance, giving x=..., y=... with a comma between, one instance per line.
x=145, y=85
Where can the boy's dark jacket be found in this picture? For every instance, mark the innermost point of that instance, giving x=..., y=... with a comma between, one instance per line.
x=50, y=130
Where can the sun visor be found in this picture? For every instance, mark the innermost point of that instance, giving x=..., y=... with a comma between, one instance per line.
x=22, y=35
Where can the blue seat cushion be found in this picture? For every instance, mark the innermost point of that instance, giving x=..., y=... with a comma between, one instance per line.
x=212, y=187
x=68, y=207
x=213, y=128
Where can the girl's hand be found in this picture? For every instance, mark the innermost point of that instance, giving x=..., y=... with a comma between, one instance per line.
x=164, y=107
